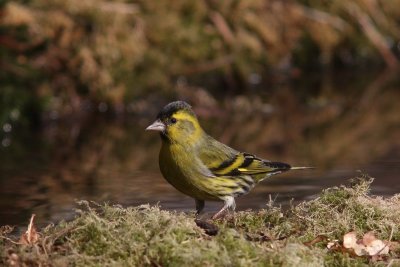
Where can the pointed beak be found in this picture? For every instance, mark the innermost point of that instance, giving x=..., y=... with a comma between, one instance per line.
x=156, y=126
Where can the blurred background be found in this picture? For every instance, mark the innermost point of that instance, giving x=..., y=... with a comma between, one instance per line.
x=311, y=83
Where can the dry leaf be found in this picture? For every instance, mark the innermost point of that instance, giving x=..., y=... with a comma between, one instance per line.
x=31, y=235
x=377, y=247
x=368, y=238
x=369, y=245
x=360, y=250
x=350, y=240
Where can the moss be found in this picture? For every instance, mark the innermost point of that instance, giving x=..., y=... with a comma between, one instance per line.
x=104, y=235
x=339, y=260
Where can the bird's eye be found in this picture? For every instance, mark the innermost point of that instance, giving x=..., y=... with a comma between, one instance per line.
x=173, y=120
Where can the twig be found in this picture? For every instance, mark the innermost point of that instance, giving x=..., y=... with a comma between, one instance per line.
x=374, y=36
x=325, y=18
x=223, y=27
x=10, y=240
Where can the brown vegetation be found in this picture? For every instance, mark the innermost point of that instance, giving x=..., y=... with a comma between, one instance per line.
x=115, y=51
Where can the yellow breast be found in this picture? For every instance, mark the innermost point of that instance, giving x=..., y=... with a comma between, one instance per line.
x=178, y=167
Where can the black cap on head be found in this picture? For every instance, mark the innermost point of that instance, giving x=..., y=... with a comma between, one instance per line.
x=173, y=107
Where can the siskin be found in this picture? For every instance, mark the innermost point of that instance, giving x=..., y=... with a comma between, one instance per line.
x=203, y=168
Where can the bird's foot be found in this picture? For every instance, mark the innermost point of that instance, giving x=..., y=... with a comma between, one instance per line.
x=229, y=204
x=227, y=215
x=220, y=214
x=199, y=206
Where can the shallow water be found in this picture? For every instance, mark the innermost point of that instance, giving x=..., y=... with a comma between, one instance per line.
x=338, y=127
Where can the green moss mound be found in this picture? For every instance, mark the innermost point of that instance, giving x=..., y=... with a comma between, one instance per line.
x=104, y=235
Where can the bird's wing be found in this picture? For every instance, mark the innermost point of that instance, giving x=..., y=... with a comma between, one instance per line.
x=222, y=160
x=244, y=163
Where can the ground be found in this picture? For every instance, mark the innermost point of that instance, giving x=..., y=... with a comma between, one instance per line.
x=308, y=234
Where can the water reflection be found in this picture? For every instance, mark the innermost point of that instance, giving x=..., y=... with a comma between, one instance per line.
x=340, y=127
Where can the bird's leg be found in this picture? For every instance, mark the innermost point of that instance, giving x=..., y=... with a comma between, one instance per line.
x=229, y=202
x=199, y=206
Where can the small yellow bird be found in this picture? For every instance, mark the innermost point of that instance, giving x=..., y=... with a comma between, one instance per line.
x=203, y=168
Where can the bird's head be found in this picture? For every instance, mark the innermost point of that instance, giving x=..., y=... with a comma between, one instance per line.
x=177, y=123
